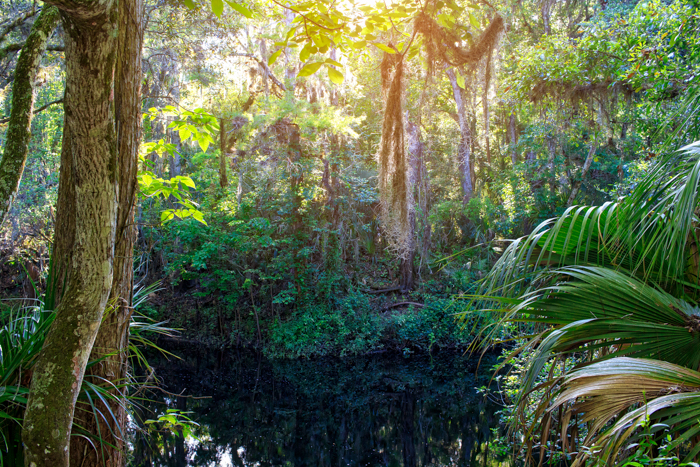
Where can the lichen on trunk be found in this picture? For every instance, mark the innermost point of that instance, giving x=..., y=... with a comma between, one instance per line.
x=19, y=127
x=90, y=152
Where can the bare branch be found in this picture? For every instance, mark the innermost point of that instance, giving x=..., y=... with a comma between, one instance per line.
x=37, y=110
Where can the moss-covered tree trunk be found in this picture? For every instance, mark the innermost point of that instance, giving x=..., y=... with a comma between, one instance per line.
x=19, y=127
x=112, y=340
x=89, y=159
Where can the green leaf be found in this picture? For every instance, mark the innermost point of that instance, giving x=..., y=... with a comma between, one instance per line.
x=273, y=58
x=310, y=68
x=305, y=52
x=189, y=4
x=203, y=143
x=385, y=48
x=241, y=9
x=217, y=7
x=332, y=62
x=460, y=80
x=474, y=21
x=335, y=76
x=167, y=215
x=187, y=181
x=185, y=133
x=199, y=217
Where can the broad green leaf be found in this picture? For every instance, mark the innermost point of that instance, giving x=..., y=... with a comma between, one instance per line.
x=167, y=215
x=185, y=133
x=273, y=58
x=335, y=76
x=474, y=21
x=199, y=217
x=332, y=62
x=310, y=68
x=460, y=80
x=385, y=48
x=217, y=7
x=241, y=9
x=203, y=143
x=187, y=181
x=305, y=52
x=189, y=4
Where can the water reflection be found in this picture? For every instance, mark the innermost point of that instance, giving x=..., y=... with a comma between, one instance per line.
x=371, y=411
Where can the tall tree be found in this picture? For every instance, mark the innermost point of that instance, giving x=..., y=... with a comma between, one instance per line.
x=86, y=224
x=110, y=348
x=23, y=93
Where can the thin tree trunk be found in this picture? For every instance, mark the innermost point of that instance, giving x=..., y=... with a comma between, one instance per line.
x=485, y=107
x=223, y=177
x=90, y=149
x=113, y=338
x=513, y=139
x=552, y=149
x=576, y=185
x=263, y=72
x=19, y=128
x=465, y=141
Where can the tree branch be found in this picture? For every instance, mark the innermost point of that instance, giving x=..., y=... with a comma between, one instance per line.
x=264, y=66
x=37, y=110
x=17, y=22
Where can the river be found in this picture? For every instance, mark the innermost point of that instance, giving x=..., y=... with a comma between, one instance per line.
x=378, y=410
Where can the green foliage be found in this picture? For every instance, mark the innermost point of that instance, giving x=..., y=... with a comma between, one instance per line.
x=616, y=283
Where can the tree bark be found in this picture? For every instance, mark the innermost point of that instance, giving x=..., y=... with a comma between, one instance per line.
x=485, y=108
x=513, y=139
x=576, y=185
x=91, y=152
x=465, y=141
x=223, y=177
x=111, y=344
x=20, y=124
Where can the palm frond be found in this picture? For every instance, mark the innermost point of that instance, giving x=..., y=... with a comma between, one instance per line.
x=654, y=390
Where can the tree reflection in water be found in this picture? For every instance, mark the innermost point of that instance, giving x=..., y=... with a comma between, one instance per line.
x=370, y=411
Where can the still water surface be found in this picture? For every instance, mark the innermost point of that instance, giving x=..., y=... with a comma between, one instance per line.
x=381, y=410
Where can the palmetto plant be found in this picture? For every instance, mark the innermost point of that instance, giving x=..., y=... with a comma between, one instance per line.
x=616, y=286
x=23, y=330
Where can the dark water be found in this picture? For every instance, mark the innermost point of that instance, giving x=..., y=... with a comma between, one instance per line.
x=382, y=410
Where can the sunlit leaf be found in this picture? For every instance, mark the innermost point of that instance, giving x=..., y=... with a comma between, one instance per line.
x=273, y=58
x=460, y=80
x=474, y=22
x=335, y=76
x=240, y=9
x=385, y=48
x=217, y=7
x=310, y=68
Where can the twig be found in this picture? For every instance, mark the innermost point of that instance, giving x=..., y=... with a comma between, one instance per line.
x=37, y=110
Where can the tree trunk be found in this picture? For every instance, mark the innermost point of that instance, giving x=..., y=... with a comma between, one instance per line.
x=90, y=151
x=416, y=150
x=263, y=72
x=552, y=149
x=20, y=124
x=465, y=141
x=576, y=185
x=223, y=178
x=513, y=139
x=113, y=338
x=485, y=108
